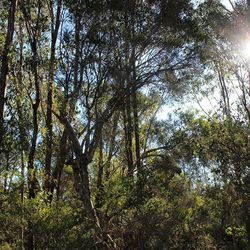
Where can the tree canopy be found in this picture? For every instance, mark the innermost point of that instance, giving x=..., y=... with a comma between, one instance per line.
x=124, y=124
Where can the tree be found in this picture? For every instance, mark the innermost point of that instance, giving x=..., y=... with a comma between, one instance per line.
x=5, y=62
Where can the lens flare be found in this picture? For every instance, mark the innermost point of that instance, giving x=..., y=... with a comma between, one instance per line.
x=245, y=49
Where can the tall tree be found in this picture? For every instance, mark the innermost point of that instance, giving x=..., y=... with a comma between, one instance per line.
x=5, y=62
x=55, y=24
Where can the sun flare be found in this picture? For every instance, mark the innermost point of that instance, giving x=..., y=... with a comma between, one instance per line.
x=245, y=49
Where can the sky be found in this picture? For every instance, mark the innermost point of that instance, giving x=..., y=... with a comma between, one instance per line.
x=227, y=3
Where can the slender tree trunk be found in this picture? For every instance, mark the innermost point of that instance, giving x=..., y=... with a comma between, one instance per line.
x=224, y=93
x=129, y=99
x=35, y=107
x=5, y=63
x=135, y=113
x=112, y=144
x=31, y=169
x=77, y=49
x=55, y=24
x=128, y=136
x=99, y=185
x=21, y=127
x=33, y=33
x=127, y=108
x=136, y=132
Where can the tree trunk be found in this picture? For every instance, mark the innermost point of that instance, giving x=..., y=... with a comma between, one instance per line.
x=111, y=144
x=21, y=126
x=136, y=119
x=81, y=181
x=32, y=182
x=5, y=63
x=99, y=185
x=48, y=154
x=128, y=136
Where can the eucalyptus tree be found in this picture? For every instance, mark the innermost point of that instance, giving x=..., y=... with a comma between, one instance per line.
x=5, y=53
x=108, y=52
x=55, y=10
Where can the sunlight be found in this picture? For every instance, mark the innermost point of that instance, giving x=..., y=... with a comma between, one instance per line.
x=245, y=49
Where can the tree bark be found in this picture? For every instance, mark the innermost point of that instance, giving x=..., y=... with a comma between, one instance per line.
x=5, y=63
x=55, y=24
x=135, y=115
x=32, y=182
x=112, y=144
x=99, y=185
x=81, y=180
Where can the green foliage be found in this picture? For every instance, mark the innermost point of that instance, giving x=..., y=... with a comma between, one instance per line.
x=102, y=171
x=58, y=225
